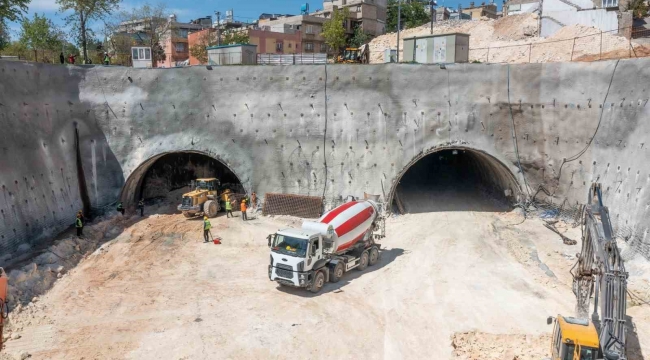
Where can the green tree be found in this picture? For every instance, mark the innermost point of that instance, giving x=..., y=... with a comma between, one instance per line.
x=359, y=38
x=413, y=14
x=16, y=48
x=334, y=32
x=639, y=8
x=40, y=34
x=149, y=26
x=231, y=37
x=83, y=12
x=5, y=39
x=209, y=38
x=12, y=10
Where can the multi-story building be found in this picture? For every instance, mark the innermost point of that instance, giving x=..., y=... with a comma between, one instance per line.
x=267, y=40
x=477, y=12
x=309, y=28
x=370, y=15
x=607, y=15
x=173, y=39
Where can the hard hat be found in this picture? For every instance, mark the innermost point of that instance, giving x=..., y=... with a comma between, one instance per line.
x=205, y=217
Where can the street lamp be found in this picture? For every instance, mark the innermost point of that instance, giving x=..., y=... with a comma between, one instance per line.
x=433, y=14
x=399, y=24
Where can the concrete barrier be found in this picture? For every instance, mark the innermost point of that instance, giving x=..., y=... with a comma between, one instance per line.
x=273, y=127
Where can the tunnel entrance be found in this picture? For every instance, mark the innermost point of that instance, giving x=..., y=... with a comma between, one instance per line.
x=455, y=179
x=167, y=176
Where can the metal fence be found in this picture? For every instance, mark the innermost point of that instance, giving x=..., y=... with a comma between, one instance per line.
x=290, y=204
x=291, y=59
x=597, y=46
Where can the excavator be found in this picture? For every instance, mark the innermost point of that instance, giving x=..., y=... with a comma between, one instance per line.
x=4, y=308
x=599, y=273
x=354, y=55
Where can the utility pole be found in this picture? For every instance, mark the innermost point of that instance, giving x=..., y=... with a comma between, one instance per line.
x=433, y=14
x=399, y=24
x=218, y=13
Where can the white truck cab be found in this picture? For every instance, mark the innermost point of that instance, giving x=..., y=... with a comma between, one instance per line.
x=294, y=253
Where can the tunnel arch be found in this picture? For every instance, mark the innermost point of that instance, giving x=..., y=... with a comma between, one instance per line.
x=133, y=186
x=491, y=171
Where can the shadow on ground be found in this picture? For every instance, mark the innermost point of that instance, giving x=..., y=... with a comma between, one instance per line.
x=387, y=256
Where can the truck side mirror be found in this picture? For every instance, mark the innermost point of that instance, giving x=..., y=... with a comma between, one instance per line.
x=549, y=320
x=269, y=239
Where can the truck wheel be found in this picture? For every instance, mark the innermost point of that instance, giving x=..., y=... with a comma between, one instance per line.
x=336, y=273
x=374, y=256
x=210, y=208
x=319, y=281
x=363, y=262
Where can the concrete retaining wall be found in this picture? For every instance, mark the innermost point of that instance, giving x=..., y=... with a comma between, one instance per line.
x=267, y=124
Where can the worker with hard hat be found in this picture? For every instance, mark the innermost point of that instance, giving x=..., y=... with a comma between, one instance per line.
x=228, y=208
x=243, y=210
x=206, y=229
x=79, y=225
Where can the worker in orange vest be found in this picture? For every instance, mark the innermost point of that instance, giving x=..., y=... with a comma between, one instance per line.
x=243, y=210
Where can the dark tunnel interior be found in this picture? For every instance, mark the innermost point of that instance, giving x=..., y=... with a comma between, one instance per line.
x=455, y=180
x=176, y=171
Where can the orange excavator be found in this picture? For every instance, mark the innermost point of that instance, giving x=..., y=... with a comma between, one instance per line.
x=4, y=309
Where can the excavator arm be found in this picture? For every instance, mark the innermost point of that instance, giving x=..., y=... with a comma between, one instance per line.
x=600, y=272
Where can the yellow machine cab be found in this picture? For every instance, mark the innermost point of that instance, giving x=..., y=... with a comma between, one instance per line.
x=574, y=339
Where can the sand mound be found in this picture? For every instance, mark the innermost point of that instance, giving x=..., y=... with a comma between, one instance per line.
x=514, y=39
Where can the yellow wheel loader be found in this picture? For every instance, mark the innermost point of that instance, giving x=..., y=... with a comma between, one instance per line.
x=202, y=200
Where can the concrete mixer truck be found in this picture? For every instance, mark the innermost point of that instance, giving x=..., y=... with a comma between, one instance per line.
x=341, y=240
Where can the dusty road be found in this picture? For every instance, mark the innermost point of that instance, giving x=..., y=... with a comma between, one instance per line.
x=156, y=291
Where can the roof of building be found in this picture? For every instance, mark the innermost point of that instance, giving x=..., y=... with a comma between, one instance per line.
x=435, y=35
x=227, y=46
x=517, y=2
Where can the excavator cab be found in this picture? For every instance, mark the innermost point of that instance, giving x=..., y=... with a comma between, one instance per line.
x=574, y=339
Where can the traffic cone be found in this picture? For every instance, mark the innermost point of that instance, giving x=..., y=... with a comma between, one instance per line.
x=217, y=241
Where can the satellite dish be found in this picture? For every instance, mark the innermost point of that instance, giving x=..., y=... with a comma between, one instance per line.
x=304, y=9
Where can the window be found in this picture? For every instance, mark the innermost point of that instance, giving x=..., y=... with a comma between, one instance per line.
x=278, y=46
x=309, y=46
x=147, y=54
x=345, y=23
x=310, y=29
x=181, y=33
x=135, y=54
x=289, y=45
x=358, y=8
x=610, y=3
x=323, y=48
x=180, y=47
x=140, y=53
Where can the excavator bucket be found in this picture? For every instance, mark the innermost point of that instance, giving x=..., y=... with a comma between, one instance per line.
x=4, y=310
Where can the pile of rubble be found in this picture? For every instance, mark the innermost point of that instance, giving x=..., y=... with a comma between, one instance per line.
x=514, y=39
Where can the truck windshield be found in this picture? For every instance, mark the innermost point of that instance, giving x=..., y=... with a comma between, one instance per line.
x=289, y=246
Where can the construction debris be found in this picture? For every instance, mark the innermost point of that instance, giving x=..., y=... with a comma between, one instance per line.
x=514, y=39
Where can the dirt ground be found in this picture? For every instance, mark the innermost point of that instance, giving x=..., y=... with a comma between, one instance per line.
x=449, y=285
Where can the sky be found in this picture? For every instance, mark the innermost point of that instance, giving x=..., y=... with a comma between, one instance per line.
x=185, y=10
